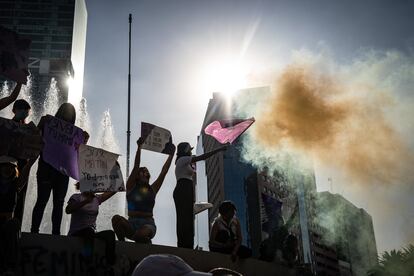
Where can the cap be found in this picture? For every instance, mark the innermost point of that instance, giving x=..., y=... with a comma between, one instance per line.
x=165, y=265
x=8, y=159
x=183, y=148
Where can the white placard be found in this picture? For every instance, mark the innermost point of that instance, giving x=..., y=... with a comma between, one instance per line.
x=99, y=170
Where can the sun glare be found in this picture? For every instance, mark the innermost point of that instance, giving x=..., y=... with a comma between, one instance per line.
x=224, y=77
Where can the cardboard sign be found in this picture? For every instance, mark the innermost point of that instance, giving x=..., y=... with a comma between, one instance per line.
x=18, y=140
x=99, y=170
x=14, y=55
x=156, y=138
x=62, y=141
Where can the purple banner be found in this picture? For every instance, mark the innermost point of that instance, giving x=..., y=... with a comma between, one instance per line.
x=61, y=147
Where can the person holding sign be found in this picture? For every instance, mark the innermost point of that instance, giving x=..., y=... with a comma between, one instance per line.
x=140, y=225
x=184, y=192
x=50, y=179
x=84, y=208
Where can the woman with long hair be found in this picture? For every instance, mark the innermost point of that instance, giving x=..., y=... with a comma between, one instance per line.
x=140, y=225
x=51, y=180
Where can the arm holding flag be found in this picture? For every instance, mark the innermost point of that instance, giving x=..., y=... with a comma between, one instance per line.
x=207, y=154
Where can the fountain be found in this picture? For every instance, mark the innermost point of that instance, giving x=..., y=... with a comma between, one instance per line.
x=106, y=140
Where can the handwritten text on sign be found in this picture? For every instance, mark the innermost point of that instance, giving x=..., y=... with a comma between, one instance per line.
x=99, y=170
x=156, y=138
x=62, y=140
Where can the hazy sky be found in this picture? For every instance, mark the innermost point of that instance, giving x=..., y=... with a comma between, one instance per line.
x=176, y=44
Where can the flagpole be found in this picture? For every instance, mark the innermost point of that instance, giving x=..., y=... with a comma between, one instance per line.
x=129, y=100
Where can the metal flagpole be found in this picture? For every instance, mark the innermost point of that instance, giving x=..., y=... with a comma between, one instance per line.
x=129, y=100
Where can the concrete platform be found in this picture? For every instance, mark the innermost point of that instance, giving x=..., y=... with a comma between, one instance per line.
x=43, y=254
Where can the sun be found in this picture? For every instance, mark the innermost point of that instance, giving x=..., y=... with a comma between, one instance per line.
x=224, y=76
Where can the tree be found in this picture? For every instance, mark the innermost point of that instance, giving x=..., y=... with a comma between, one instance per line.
x=395, y=263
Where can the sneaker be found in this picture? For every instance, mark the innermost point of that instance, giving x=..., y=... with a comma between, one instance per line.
x=201, y=206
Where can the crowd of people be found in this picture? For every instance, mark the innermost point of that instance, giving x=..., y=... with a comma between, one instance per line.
x=83, y=207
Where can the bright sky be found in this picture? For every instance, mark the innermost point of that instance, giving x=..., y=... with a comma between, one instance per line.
x=182, y=49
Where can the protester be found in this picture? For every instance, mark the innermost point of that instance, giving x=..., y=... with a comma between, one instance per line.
x=140, y=225
x=21, y=110
x=6, y=101
x=84, y=208
x=225, y=235
x=11, y=182
x=51, y=180
x=171, y=265
x=165, y=265
x=184, y=192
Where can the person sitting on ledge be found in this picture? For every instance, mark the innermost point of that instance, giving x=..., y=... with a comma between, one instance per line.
x=84, y=208
x=225, y=235
x=140, y=225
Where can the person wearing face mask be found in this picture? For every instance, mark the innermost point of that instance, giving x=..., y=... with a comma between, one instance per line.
x=184, y=192
x=140, y=225
x=21, y=110
x=51, y=180
x=11, y=182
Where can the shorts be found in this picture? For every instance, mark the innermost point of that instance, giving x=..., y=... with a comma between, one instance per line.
x=137, y=223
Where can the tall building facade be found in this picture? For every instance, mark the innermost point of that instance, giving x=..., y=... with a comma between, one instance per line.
x=351, y=232
x=57, y=29
x=258, y=194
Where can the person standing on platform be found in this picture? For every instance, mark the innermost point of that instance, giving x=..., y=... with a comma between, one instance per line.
x=21, y=110
x=184, y=192
x=51, y=180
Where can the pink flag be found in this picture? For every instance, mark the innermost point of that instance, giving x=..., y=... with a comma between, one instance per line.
x=226, y=131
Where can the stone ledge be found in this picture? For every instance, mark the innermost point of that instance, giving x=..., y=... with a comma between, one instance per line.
x=43, y=254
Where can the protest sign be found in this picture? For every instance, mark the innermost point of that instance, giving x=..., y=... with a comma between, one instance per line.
x=227, y=131
x=155, y=138
x=62, y=141
x=21, y=141
x=99, y=170
x=14, y=55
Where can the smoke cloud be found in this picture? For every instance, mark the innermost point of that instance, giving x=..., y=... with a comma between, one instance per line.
x=354, y=119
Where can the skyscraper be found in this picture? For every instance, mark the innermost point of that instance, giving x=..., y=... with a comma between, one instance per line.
x=257, y=194
x=57, y=29
x=350, y=230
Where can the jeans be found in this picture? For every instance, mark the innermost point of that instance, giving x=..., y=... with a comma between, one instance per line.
x=184, y=207
x=49, y=180
x=89, y=235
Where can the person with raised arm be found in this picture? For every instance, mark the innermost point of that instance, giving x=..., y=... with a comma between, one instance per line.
x=184, y=192
x=141, y=195
x=6, y=101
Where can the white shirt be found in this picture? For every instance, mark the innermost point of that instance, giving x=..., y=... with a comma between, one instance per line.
x=184, y=168
x=84, y=217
